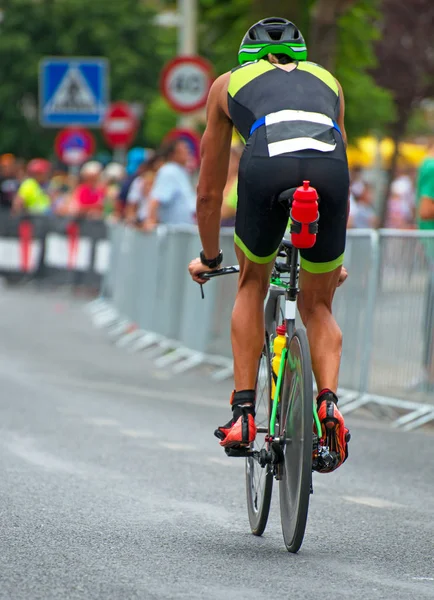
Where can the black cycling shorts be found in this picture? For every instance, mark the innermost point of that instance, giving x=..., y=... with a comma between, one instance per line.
x=261, y=220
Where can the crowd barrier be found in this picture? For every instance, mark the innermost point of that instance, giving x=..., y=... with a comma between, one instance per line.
x=385, y=310
x=53, y=249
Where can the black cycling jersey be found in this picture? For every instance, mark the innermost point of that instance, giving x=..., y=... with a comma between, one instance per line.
x=288, y=120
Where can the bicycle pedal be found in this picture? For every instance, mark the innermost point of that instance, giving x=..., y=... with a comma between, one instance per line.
x=238, y=452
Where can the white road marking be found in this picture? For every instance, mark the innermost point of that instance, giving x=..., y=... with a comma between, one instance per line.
x=226, y=462
x=138, y=433
x=174, y=446
x=374, y=502
x=423, y=578
x=102, y=422
x=25, y=449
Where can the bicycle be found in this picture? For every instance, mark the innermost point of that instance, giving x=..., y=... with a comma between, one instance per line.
x=289, y=443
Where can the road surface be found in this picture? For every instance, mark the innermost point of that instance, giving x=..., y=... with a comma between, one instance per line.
x=113, y=486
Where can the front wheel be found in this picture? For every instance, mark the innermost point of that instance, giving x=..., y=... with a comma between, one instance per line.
x=296, y=437
x=259, y=480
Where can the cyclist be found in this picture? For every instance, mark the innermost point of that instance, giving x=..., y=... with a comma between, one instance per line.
x=290, y=113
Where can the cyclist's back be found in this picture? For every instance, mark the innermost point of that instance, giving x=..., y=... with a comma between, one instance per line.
x=288, y=116
x=300, y=107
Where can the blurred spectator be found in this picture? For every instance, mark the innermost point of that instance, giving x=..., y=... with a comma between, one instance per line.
x=362, y=213
x=60, y=189
x=425, y=221
x=32, y=196
x=9, y=182
x=136, y=158
x=357, y=186
x=113, y=176
x=230, y=193
x=401, y=202
x=138, y=196
x=88, y=198
x=172, y=198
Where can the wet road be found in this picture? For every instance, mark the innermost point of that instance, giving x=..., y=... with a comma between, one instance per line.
x=113, y=487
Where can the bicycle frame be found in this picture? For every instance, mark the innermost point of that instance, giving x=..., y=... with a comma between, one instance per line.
x=289, y=289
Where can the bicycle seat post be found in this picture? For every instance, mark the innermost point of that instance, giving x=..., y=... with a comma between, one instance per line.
x=292, y=261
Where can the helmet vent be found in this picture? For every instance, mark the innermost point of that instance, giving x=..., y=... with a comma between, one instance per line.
x=275, y=34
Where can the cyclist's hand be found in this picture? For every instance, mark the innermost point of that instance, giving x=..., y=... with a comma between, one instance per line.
x=342, y=276
x=195, y=268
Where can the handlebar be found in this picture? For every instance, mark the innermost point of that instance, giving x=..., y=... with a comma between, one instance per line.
x=218, y=272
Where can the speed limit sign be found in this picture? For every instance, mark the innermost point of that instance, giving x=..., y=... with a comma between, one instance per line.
x=185, y=83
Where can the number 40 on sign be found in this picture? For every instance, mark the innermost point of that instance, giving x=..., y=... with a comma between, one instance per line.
x=185, y=83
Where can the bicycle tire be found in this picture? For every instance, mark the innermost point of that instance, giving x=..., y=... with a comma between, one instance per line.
x=296, y=430
x=259, y=480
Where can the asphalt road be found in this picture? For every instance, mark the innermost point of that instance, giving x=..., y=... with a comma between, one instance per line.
x=113, y=486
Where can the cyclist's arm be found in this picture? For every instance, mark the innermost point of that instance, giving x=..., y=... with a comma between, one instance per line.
x=341, y=117
x=215, y=151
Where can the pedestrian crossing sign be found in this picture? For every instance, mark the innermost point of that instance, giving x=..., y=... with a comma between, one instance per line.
x=73, y=91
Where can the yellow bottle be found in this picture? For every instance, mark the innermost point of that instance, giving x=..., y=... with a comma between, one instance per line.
x=279, y=344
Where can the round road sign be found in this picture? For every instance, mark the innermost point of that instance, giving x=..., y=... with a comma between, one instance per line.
x=119, y=126
x=74, y=145
x=185, y=83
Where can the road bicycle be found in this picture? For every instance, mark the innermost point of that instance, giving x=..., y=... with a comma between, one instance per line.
x=289, y=444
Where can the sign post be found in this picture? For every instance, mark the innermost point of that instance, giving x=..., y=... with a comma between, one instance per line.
x=73, y=91
x=119, y=128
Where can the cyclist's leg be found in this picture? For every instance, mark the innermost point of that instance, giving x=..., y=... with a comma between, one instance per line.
x=259, y=228
x=321, y=268
x=325, y=337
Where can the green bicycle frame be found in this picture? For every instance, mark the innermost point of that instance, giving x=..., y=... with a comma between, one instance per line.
x=278, y=282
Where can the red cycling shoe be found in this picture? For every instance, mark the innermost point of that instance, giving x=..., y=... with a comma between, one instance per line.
x=334, y=433
x=241, y=429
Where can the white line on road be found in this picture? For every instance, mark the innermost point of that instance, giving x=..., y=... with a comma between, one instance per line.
x=102, y=422
x=226, y=462
x=423, y=578
x=174, y=446
x=138, y=433
x=374, y=502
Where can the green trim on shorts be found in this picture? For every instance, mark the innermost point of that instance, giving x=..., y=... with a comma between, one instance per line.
x=322, y=267
x=260, y=260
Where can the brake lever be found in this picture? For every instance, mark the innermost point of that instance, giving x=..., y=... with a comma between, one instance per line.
x=216, y=273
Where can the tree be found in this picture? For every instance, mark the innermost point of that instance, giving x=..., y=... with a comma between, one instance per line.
x=324, y=30
x=121, y=31
x=406, y=63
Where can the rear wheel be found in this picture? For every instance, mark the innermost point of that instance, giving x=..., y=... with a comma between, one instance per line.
x=259, y=480
x=296, y=434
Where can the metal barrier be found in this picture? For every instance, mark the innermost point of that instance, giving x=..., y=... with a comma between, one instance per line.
x=400, y=344
x=385, y=310
x=56, y=250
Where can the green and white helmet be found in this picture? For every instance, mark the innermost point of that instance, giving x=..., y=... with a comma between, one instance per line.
x=272, y=36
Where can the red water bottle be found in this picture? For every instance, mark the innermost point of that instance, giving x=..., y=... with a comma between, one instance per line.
x=304, y=216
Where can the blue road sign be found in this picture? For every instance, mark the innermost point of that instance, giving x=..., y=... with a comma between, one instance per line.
x=73, y=91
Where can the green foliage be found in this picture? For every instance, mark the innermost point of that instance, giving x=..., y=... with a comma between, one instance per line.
x=160, y=119
x=368, y=106
x=122, y=31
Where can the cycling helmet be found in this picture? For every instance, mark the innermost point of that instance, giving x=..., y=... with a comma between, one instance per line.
x=273, y=35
